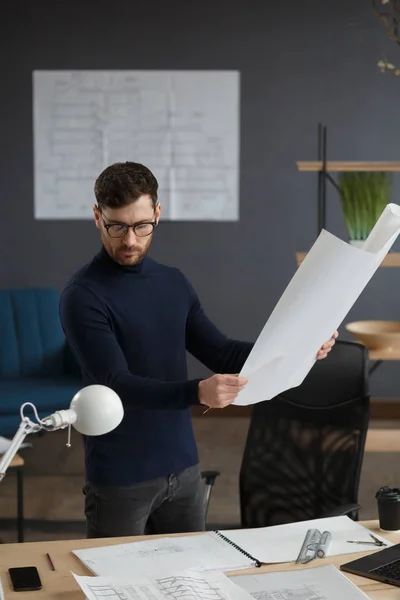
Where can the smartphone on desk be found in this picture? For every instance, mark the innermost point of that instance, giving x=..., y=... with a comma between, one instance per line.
x=25, y=579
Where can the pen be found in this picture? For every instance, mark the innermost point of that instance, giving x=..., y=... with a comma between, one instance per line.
x=209, y=408
x=50, y=562
x=324, y=544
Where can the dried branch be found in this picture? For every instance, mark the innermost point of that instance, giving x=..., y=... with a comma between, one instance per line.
x=390, y=16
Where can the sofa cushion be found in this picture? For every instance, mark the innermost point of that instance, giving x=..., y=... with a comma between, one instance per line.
x=47, y=394
x=32, y=342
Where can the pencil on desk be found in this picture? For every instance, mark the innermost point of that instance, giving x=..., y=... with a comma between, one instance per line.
x=50, y=562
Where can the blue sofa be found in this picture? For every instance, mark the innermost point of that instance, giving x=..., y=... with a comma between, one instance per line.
x=36, y=364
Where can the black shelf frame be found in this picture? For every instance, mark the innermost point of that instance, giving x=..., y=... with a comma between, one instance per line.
x=323, y=178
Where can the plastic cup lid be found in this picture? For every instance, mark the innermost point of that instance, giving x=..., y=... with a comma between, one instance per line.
x=388, y=493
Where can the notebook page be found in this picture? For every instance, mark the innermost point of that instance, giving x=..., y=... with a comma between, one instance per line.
x=282, y=543
x=202, y=552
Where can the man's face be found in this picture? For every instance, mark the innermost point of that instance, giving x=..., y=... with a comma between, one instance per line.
x=131, y=248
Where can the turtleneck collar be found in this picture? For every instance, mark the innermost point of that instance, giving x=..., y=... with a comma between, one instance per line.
x=108, y=261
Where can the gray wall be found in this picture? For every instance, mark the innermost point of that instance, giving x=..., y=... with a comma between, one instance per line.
x=301, y=62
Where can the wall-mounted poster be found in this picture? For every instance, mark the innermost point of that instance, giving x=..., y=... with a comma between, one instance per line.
x=183, y=125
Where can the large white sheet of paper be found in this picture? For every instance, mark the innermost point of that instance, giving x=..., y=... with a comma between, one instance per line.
x=204, y=552
x=282, y=543
x=183, y=125
x=318, y=583
x=317, y=299
x=162, y=586
x=5, y=443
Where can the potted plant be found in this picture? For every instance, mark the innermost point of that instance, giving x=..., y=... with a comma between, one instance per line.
x=363, y=196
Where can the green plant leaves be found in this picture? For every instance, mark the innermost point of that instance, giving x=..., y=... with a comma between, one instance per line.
x=363, y=196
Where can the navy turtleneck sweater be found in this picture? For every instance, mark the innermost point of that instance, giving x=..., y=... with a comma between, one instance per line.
x=129, y=328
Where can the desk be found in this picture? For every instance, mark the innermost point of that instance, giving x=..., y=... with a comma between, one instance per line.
x=60, y=585
x=382, y=440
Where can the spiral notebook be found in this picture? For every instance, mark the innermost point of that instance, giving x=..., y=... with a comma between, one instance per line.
x=208, y=551
x=224, y=550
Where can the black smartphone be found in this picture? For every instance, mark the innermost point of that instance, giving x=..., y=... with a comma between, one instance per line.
x=25, y=579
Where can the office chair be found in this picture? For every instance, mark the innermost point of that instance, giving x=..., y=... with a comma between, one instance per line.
x=209, y=480
x=304, y=449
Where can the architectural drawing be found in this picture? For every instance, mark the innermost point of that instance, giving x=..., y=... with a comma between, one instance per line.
x=149, y=552
x=179, y=587
x=317, y=583
x=187, y=588
x=301, y=592
x=110, y=592
x=192, y=588
x=183, y=125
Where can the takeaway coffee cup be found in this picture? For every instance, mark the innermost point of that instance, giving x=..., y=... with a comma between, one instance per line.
x=388, y=508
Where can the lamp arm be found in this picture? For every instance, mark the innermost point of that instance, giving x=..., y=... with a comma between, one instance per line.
x=94, y=410
x=26, y=427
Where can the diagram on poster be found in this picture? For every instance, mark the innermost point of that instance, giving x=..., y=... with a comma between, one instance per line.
x=183, y=125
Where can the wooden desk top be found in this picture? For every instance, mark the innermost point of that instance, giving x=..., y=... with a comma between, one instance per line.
x=17, y=461
x=60, y=585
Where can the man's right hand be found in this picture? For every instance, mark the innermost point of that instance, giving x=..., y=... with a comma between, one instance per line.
x=220, y=390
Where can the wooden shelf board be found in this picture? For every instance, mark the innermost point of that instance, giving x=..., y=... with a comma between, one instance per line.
x=392, y=259
x=332, y=165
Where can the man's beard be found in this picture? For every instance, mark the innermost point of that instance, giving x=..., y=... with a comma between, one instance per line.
x=126, y=256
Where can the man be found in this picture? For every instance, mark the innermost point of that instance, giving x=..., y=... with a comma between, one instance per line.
x=129, y=321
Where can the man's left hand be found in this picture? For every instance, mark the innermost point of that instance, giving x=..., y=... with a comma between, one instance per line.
x=327, y=347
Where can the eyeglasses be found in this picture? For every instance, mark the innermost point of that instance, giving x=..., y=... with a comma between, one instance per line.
x=121, y=229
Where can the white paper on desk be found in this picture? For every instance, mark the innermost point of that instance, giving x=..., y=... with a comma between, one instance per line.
x=327, y=583
x=204, y=552
x=162, y=586
x=282, y=543
x=5, y=443
x=317, y=299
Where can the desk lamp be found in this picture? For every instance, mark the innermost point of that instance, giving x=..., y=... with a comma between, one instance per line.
x=94, y=410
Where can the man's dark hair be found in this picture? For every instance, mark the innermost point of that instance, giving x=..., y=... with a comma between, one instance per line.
x=121, y=184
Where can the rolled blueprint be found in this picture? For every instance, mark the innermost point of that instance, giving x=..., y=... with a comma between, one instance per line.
x=314, y=304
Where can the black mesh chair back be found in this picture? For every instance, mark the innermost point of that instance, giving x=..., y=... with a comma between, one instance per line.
x=304, y=448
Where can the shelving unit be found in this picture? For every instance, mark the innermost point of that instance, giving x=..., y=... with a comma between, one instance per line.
x=392, y=259
x=324, y=168
x=338, y=166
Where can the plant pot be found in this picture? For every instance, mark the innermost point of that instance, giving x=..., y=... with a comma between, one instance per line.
x=357, y=243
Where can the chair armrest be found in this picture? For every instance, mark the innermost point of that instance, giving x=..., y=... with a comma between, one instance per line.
x=344, y=509
x=210, y=476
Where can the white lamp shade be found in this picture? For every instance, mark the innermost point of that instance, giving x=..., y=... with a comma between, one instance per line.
x=98, y=410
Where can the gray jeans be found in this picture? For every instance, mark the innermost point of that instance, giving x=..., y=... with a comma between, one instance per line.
x=171, y=504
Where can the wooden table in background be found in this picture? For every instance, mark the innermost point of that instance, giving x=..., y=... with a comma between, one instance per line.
x=383, y=440
x=60, y=585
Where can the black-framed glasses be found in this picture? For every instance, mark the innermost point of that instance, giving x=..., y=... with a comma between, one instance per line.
x=116, y=230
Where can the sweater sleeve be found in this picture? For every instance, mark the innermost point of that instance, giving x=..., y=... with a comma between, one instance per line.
x=88, y=329
x=211, y=347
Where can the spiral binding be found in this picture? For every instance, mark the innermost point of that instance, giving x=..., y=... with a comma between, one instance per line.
x=238, y=548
